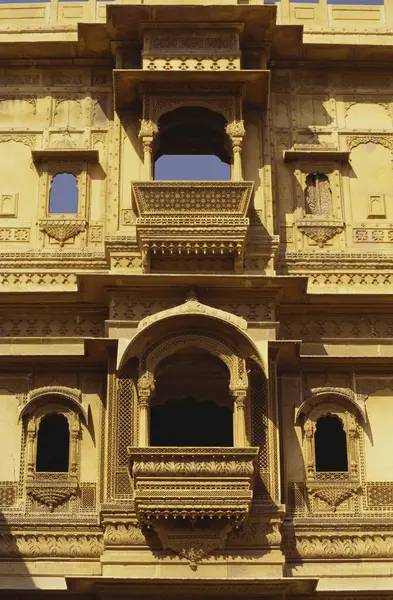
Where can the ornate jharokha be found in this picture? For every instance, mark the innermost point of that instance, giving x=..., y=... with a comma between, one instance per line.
x=209, y=487
x=196, y=316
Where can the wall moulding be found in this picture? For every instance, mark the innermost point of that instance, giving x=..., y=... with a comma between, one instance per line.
x=336, y=544
x=51, y=544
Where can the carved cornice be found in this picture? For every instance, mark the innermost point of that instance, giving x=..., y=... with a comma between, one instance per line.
x=62, y=229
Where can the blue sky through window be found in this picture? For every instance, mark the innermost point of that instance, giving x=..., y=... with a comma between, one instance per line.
x=63, y=197
x=200, y=167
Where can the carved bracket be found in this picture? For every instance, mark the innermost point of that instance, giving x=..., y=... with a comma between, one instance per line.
x=192, y=544
x=333, y=494
x=52, y=494
x=320, y=230
x=62, y=229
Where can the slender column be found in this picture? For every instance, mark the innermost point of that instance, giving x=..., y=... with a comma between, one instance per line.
x=147, y=132
x=235, y=130
x=352, y=446
x=143, y=429
x=237, y=174
x=146, y=385
x=310, y=458
x=30, y=445
x=239, y=418
x=74, y=436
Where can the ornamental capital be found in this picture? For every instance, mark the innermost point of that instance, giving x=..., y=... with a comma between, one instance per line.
x=148, y=128
x=236, y=129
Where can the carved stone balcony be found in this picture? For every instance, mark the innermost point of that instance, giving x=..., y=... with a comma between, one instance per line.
x=192, y=483
x=197, y=218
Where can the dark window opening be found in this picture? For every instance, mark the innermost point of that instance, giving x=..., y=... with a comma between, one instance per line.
x=53, y=443
x=330, y=445
x=190, y=422
x=192, y=146
x=63, y=196
x=192, y=405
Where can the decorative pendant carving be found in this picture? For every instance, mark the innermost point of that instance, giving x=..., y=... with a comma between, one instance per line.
x=62, y=229
x=53, y=494
x=320, y=230
x=333, y=494
x=192, y=544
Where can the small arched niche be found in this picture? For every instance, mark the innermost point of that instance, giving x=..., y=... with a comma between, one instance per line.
x=192, y=405
x=192, y=145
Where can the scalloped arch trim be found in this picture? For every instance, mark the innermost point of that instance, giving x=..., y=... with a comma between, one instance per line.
x=320, y=395
x=67, y=395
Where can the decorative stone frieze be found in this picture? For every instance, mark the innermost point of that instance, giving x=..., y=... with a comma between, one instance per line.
x=199, y=218
x=192, y=483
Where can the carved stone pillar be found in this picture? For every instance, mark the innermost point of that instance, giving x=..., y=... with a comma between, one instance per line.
x=147, y=132
x=30, y=446
x=74, y=436
x=236, y=132
x=239, y=418
x=146, y=386
x=309, y=450
x=353, y=435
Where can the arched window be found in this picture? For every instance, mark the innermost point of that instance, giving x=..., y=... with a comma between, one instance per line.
x=192, y=145
x=318, y=195
x=330, y=445
x=53, y=444
x=63, y=196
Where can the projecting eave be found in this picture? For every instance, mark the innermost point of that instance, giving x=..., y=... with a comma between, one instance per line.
x=156, y=588
x=94, y=285
x=126, y=22
x=128, y=83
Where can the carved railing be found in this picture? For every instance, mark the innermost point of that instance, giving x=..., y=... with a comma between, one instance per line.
x=192, y=483
x=198, y=218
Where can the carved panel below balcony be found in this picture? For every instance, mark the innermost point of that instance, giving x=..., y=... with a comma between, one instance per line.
x=192, y=483
x=192, y=218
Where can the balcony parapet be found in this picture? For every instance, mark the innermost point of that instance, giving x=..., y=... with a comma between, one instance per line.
x=196, y=217
x=192, y=483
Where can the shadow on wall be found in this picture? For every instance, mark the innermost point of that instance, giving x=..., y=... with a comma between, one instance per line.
x=14, y=573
